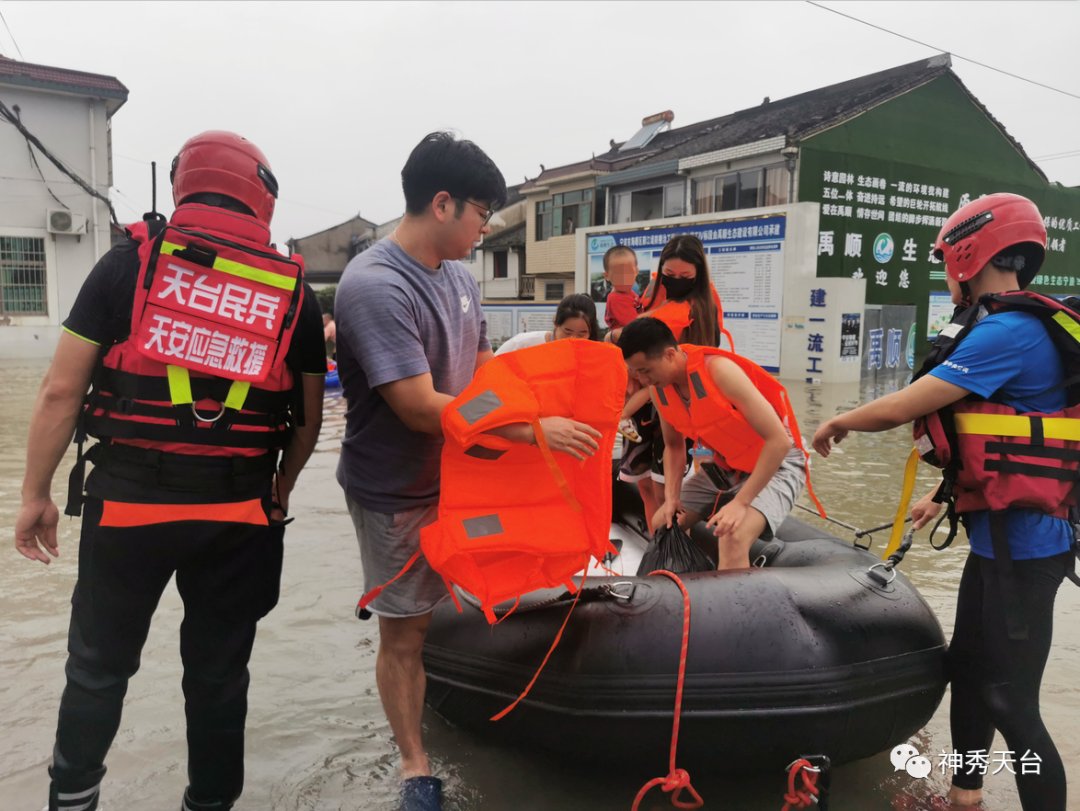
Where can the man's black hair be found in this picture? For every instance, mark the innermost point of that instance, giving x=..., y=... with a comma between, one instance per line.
x=648, y=335
x=440, y=162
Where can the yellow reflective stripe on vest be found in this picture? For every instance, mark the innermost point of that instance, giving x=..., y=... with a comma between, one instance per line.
x=1068, y=324
x=267, y=277
x=179, y=385
x=180, y=389
x=238, y=393
x=1017, y=425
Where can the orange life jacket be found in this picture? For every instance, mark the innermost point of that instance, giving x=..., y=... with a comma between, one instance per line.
x=714, y=420
x=513, y=517
x=203, y=370
x=676, y=314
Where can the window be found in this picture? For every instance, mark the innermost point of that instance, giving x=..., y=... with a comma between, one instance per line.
x=649, y=204
x=543, y=220
x=564, y=213
x=500, y=265
x=777, y=184
x=554, y=290
x=747, y=188
x=22, y=276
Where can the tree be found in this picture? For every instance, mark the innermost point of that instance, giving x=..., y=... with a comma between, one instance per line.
x=325, y=297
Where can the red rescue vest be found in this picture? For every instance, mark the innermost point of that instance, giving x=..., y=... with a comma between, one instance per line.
x=714, y=420
x=203, y=370
x=514, y=518
x=996, y=457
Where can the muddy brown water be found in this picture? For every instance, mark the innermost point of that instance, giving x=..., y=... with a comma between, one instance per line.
x=317, y=739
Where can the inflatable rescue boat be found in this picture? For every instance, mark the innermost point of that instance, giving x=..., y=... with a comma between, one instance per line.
x=807, y=653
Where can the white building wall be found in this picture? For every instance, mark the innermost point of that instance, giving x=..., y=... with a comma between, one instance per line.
x=63, y=124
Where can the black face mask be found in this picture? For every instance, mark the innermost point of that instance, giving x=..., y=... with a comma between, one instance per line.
x=677, y=288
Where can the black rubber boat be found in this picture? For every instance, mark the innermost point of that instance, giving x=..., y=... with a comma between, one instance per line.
x=805, y=654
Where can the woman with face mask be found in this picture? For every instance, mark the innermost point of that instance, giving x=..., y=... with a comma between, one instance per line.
x=683, y=280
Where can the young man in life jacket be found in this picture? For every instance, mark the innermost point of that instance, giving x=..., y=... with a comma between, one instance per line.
x=1011, y=475
x=708, y=394
x=205, y=354
x=410, y=336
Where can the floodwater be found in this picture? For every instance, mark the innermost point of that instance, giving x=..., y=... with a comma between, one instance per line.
x=317, y=739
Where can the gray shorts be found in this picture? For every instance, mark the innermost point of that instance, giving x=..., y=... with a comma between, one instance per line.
x=387, y=541
x=702, y=496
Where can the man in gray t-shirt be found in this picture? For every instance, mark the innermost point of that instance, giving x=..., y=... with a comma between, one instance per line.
x=410, y=335
x=398, y=319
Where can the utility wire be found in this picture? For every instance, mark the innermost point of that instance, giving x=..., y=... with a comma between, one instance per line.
x=1057, y=155
x=943, y=50
x=13, y=42
x=11, y=118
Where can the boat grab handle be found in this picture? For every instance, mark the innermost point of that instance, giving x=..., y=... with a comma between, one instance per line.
x=612, y=589
x=880, y=578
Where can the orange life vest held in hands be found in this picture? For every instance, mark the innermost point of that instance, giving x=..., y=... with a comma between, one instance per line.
x=513, y=517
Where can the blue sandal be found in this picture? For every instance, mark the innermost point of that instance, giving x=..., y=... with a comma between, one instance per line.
x=421, y=794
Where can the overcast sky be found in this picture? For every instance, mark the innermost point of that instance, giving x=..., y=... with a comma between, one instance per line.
x=337, y=94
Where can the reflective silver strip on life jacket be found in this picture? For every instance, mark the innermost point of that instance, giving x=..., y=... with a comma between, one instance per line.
x=479, y=406
x=482, y=526
x=699, y=387
x=661, y=396
x=480, y=452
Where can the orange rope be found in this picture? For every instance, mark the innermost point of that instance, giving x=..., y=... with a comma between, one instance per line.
x=375, y=592
x=506, y=711
x=677, y=780
x=807, y=795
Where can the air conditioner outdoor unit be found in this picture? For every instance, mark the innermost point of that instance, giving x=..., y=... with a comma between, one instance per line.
x=62, y=221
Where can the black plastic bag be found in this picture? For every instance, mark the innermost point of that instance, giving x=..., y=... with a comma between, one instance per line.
x=674, y=550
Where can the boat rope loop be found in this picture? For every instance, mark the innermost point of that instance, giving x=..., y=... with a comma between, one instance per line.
x=677, y=780
x=810, y=793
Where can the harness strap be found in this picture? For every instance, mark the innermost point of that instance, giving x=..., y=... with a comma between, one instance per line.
x=126, y=407
x=77, y=476
x=1003, y=569
x=944, y=495
x=108, y=428
x=553, y=466
x=897, y=536
x=1029, y=469
x=156, y=389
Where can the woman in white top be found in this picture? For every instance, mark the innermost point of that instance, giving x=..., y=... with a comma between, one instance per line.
x=575, y=317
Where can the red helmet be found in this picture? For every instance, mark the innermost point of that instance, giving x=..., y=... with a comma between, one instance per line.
x=225, y=163
x=986, y=227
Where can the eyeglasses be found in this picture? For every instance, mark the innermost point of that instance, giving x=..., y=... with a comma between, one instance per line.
x=487, y=212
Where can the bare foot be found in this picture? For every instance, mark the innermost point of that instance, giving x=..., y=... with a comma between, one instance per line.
x=965, y=798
